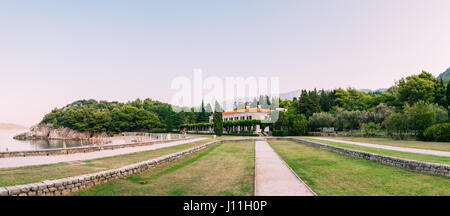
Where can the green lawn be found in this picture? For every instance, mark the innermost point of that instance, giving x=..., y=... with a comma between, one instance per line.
x=333, y=174
x=406, y=155
x=224, y=169
x=441, y=146
x=31, y=174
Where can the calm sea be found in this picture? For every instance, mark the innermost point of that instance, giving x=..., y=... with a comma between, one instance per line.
x=7, y=143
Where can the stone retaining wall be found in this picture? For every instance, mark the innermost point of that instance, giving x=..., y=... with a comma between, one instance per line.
x=84, y=149
x=426, y=167
x=69, y=185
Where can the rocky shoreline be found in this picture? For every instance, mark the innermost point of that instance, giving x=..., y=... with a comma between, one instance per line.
x=47, y=132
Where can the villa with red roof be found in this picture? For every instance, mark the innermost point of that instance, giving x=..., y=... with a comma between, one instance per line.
x=248, y=114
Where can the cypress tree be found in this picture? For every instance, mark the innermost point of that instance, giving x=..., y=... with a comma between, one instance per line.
x=169, y=121
x=448, y=95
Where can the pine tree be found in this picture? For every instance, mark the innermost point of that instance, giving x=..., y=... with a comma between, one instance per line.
x=325, y=100
x=202, y=116
x=440, y=94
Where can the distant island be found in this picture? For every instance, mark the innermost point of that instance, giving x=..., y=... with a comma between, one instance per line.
x=10, y=126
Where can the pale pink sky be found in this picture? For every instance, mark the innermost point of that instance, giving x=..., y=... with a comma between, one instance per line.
x=54, y=52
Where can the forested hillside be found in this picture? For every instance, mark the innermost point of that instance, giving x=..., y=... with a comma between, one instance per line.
x=410, y=106
x=113, y=117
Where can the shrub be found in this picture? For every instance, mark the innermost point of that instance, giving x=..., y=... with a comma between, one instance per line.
x=370, y=128
x=165, y=131
x=438, y=132
x=241, y=133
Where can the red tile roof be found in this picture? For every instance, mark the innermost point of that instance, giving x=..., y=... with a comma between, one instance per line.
x=247, y=110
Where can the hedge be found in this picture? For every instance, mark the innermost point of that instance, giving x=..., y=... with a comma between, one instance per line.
x=438, y=132
x=241, y=123
x=164, y=131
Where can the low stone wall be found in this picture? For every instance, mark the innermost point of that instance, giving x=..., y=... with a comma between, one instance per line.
x=352, y=135
x=83, y=149
x=426, y=167
x=73, y=184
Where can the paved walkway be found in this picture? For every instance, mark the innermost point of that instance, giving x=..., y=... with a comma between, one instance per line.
x=273, y=175
x=39, y=160
x=402, y=149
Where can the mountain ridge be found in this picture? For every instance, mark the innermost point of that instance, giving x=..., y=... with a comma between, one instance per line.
x=445, y=74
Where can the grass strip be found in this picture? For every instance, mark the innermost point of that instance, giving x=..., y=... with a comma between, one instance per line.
x=332, y=174
x=399, y=154
x=32, y=174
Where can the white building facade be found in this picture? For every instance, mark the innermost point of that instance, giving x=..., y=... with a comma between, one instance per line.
x=248, y=114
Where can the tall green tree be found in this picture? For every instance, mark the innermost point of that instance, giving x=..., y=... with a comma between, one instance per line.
x=420, y=116
x=440, y=96
x=218, y=120
x=308, y=103
x=417, y=87
x=169, y=120
x=299, y=125
x=326, y=100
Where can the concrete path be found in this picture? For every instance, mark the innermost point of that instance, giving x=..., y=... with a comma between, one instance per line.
x=273, y=176
x=39, y=160
x=402, y=149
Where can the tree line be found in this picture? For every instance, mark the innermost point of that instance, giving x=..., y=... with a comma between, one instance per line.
x=114, y=117
x=410, y=106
